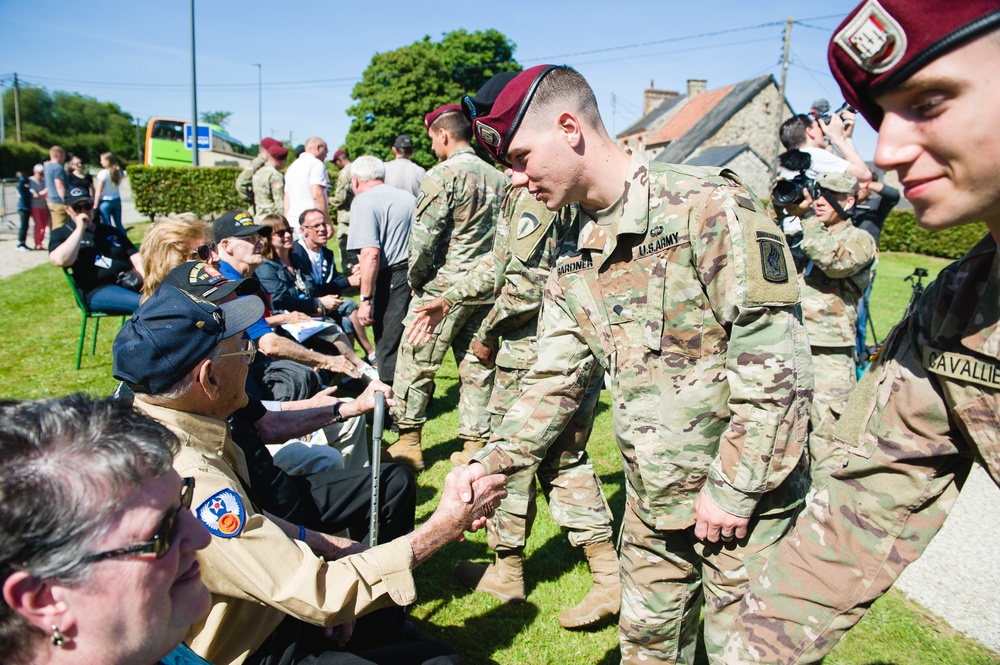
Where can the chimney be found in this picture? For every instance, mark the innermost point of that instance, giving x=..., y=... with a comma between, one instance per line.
x=696, y=87
x=653, y=98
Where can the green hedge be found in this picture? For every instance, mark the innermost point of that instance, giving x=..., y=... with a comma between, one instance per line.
x=162, y=190
x=901, y=234
x=21, y=157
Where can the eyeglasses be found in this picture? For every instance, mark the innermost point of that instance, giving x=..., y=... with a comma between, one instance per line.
x=250, y=350
x=204, y=252
x=82, y=207
x=317, y=227
x=161, y=542
x=282, y=232
x=253, y=238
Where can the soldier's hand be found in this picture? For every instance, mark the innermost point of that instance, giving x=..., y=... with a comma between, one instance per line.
x=485, y=494
x=425, y=320
x=487, y=354
x=714, y=524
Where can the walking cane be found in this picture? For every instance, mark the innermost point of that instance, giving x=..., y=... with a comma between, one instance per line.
x=377, y=419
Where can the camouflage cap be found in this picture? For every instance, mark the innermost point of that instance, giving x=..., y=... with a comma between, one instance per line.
x=440, y=111
x=842, y=183
x=495, y=128
x=882, y=43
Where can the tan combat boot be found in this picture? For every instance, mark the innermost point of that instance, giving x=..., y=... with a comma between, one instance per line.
x=406, y=450
x=604, y=598
x=463, y=456
x=503, y=579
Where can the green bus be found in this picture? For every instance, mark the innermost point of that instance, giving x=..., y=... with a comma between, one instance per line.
x=165, y=146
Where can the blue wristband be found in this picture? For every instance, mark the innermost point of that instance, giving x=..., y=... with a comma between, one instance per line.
x=302, y=533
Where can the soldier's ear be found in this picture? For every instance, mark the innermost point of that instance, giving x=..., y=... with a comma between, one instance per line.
x=570, y=127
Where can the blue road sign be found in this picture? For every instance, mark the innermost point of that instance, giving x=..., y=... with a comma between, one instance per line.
x=204, y=136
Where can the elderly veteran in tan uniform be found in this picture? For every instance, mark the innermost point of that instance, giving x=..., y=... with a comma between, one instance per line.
x=842, y=260
x=926, y=75
x=275, y=586
x=677, y=284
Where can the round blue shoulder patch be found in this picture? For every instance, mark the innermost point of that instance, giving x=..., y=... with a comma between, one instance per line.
x=223, y=514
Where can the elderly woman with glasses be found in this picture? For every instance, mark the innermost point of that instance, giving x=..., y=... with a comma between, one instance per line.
x=97, y=543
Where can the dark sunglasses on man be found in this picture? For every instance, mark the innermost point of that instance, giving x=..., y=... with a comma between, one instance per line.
x=160, y=543
x=82, y=206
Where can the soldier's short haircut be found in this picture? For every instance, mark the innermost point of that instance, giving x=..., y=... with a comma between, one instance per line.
x=456, y=124
x=564, y=87
x=793, y=131
x=368, y=167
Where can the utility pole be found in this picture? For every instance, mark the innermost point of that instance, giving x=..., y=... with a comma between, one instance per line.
x=194, y=98
x=260, y=106
x=781, y=99
x=17, y=108
x=3, y=132
x=138, y=138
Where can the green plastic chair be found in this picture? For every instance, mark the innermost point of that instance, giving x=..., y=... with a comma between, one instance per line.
x=88, y=313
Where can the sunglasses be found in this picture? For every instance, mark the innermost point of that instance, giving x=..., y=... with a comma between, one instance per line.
x=282, y=232
x=205, y=252
x=250, y=350
x=81, y=207
x=160, y=543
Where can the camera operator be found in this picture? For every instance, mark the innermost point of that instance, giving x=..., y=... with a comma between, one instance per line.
x=803, y=132
x=841, y=263
x=792, y=201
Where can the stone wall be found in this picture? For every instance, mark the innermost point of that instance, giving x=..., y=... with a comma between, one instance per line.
x=756, y=125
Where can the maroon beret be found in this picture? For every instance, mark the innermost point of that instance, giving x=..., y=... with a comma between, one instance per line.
x=278, y=151
x=881, y=44
x=440, y=111
x=267, y=142
x=340, y=153
x=497, y=127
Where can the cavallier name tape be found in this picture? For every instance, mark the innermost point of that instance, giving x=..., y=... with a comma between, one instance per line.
x=963, y=368
x=223, y=514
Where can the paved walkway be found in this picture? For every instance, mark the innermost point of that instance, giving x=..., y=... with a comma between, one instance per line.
x=958, y=578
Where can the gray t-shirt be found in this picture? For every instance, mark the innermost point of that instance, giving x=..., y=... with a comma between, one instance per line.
x=404, y=174
x=54, y=172
x=381, y=217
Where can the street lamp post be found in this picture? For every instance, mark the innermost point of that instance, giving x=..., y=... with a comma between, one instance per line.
x=194, y=97
x=260, y=106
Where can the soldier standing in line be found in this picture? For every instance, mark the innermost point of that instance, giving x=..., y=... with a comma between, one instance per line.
x=244, y=181
x=269, y=183
x=927, y=77
x=842, y=261
x=457, y=209
x=525, y=247
x=677, y=284
x=341, y=200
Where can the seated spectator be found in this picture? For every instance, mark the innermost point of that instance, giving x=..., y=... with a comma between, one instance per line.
x=97, y=542
x=171, y=242
x=106, y=265
x=240, y=244
x=293, y=290
x=276, y=586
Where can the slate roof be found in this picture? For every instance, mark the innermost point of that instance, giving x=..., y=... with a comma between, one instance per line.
x=717, y=156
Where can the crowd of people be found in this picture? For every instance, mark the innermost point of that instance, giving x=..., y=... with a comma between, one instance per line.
x=769, y=492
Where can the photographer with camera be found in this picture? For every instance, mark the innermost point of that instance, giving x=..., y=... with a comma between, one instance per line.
x=842, y=260
x=803, y=132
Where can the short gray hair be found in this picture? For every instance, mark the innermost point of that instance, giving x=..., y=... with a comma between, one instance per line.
x=65, y=465
x=368, y=167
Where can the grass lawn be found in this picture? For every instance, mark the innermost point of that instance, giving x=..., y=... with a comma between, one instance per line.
x=39, y=324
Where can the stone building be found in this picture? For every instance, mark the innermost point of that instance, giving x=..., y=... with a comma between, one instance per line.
x=734, y=127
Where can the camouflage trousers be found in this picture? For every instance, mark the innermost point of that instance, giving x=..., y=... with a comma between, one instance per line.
x=859, y=530
x=416, y=367
x=568, y=480
x=668, y=577
x=348, y=257
x=836, y=377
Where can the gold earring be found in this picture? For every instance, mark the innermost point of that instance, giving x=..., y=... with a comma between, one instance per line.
x=57, y=638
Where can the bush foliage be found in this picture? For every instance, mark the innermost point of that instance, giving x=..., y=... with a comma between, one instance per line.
x=901, y=234
x=162, y=190
x=22, y=157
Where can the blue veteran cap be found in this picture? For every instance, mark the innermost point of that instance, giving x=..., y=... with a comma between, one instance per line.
x=172, y=332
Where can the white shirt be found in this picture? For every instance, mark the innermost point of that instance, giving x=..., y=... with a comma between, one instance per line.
x=823, y=161
x=303, y=173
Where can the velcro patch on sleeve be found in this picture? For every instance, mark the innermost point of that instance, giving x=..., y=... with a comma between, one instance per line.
x=223, y=514
x=529, y=230
x=769, y=276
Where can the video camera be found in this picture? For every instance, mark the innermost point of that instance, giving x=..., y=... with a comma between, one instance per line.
x=821, y=110
x=791, y=190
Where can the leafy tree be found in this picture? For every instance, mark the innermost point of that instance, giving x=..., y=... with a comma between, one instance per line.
x=82, y=125
x=400, y=86
x=219, y=118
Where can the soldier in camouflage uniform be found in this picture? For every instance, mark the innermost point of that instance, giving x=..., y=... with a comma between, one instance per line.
x=842, y=261
x=677, y=284
x=457, y=209
x=930, y=403
x=341, y=203
x=244, y=181
x=269, y=184
x=525, y=248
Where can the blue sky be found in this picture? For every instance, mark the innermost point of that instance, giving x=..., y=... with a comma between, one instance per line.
x=137, y=53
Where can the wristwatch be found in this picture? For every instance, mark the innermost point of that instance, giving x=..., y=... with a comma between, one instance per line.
x=367, y=298
x=337, y=418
